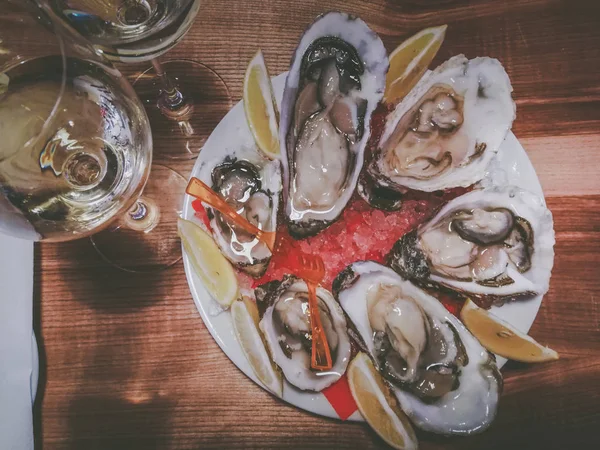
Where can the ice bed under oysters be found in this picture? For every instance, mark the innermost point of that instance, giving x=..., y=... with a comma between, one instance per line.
x=422, y=174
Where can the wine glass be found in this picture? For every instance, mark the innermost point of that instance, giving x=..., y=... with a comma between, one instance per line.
x=76, y=147
x=184, y=99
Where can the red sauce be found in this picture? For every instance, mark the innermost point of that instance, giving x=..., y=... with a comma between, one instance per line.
x=200, y=213
x=451, y=302
x=362, y=233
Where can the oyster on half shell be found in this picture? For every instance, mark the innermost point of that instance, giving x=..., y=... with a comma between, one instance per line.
x=336, y=80
x=445, y=381
x=444, y=133
x=285, y=324
x=495, y=243
x=251, y=184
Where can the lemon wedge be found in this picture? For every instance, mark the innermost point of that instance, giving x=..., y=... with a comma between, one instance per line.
x=377, y=405
x=245, y=323
x=501, y=338
x=260, y=107
x=410, y=60
x=210, y=265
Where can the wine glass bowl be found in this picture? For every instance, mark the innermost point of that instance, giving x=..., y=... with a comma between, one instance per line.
x=128, y=30
x=91, y=156
x=184, y=99
x=76, y=144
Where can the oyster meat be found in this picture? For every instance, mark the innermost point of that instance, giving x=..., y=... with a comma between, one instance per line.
x=285, y=324
x=336, y=80
x=252, y=185
x=445, y=381
x=445, y=132
x=494, y=243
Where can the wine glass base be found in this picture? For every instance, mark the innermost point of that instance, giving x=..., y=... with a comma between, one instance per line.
x=207, y=101
x=155, y=245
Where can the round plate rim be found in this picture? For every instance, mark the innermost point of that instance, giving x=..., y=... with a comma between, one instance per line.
x=309, y=401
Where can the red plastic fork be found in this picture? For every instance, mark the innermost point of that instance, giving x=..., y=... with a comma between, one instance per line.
x=201, y=191
x=313, y=271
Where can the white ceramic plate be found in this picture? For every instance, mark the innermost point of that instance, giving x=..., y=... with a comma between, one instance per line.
x=233, y=133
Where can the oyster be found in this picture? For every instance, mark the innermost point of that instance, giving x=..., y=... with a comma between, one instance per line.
x=494, y=244
x=444, y=133
x=252, y=185
x=285, y=324
x=445, y=381
x=336, y=80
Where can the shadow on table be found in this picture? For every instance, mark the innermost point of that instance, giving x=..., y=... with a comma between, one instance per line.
x=76, y=271
x=101, y=286
x=101, y=423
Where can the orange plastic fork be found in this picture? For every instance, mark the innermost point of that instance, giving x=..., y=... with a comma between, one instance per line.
x=313, y=271
x=201, y=191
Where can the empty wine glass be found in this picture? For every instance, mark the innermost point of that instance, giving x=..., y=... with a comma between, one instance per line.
x=76, y=147
x=184, y=99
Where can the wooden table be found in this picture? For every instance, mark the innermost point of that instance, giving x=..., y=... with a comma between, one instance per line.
x=127, y=362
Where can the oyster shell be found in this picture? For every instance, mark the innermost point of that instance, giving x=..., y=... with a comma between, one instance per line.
x=444, y=133
x=252, y=185
x=494, y=244
x=285, y=324
x=445, y=381
x=336, y=79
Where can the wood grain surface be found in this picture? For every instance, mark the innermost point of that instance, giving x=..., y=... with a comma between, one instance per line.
x=127, y=362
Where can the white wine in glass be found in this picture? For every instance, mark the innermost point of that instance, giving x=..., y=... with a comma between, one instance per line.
x=184, y=99
x=128, y=30
x=76, y=146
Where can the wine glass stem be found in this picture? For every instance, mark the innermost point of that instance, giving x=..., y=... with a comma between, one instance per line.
x=170, y=95
x=143, y=216
x=172, y=103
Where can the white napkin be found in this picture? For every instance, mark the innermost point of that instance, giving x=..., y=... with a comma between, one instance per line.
x=16, y=293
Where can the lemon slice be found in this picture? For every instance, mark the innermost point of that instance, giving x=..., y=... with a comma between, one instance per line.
x=377, y=405
x=210, y=265
x=245, y=323
x=260, y=107
x=410, y=60
x=501, y=338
